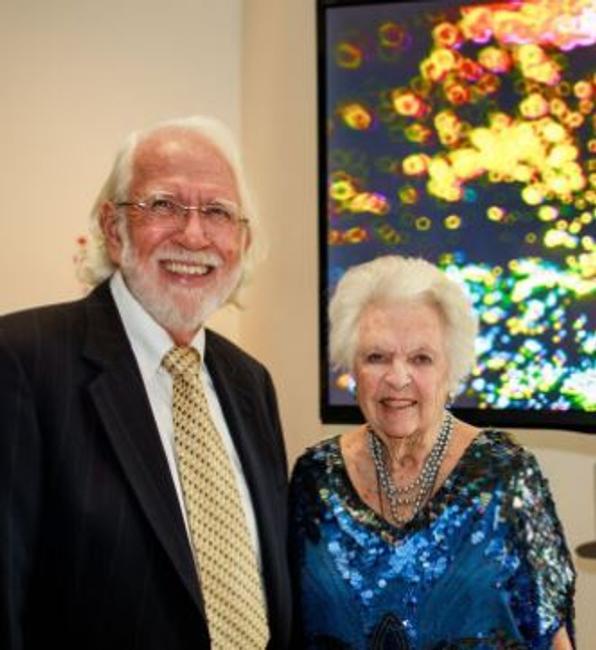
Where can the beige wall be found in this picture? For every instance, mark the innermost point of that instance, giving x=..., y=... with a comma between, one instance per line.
x=77, y=76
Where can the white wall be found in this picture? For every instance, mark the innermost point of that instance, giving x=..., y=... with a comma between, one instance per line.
x=78, y=75
x=279, y=127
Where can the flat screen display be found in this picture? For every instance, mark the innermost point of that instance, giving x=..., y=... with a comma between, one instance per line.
x=463, y=133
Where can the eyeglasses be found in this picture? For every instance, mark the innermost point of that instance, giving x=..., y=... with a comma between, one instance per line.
x=217, y=216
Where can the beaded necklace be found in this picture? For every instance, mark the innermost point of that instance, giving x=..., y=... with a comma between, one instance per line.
x=417, y=491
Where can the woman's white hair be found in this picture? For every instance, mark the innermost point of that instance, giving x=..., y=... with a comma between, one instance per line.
x=394, y=279
x=96, y=265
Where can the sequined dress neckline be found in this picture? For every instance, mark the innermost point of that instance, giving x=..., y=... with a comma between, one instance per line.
x=374, y=520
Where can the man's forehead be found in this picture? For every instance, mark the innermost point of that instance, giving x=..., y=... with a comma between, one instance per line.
x=171, y=150
x=171, y=143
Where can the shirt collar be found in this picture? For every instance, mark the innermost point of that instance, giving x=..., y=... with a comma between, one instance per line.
x=149, y=340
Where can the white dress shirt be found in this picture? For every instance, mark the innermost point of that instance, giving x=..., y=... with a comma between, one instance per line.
x=150, y=342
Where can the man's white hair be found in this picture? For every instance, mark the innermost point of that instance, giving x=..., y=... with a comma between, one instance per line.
x=96, y=265
x=394, y=279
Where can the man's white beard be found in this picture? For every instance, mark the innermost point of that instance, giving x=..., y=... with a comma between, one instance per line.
x=176, y=309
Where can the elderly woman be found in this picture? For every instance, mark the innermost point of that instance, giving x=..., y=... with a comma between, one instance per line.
x=417, y=530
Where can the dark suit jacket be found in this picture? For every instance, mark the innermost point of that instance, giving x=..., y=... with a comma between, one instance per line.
x=94, y=552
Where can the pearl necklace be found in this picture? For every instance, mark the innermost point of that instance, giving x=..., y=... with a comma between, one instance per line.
x=417, y=491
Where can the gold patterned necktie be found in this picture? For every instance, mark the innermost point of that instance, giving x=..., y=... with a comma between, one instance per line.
x=227, y=565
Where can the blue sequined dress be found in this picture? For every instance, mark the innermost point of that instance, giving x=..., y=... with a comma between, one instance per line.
x=483, y=565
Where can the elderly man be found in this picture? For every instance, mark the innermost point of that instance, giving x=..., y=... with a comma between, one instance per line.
x=142, y=491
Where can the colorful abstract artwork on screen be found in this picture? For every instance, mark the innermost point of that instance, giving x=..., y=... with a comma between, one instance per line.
x=465, y=134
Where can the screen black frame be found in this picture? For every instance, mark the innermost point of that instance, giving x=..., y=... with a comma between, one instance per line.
x=574, y=421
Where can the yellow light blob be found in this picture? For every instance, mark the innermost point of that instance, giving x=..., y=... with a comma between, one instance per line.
x=348, y=56
x=499, y=121
x=559, y=184
x=478, y=274
x=531, y=238
x=585, y=106
x=530, y=54
x=388, y=234
x=443, y=182
x=334, y=237
x=452, y=222
x=355, y=235
x=391, y=34
x=356, y=116
x=495, y=213
x=582, y=89
x=575, y=228
x=408, y=195
x=592, y=145
x=423, y=223
x=407, y=103
x=491, y=298
x=466, y=163
x=496, y=363
x=446, y=120
x=563, y=89
x=522, y=173
x=494, y=59
x=341, y=190
x=558, y=107
x=532, y=195
x=547, y=213
x=417, y=133
x=448, y=138
x=430, y=71
x=553, y=132
x=446, y=34
x=444, y=59
x=546, y=72
x=533, y=106
x=369, y=202
x=587, y=262
x=416, y=164
x=457, y=93
x=561, y=225
x=561, y=153
x=587, y=242
x=453, y=194
x=439, y=168
x=490, y=317
x=558, y=238
x=574, y=119
x=574, y=175
x=343, y=381
x=586, y=218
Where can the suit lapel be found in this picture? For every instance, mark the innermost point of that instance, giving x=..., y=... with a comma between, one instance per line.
x=121, y=401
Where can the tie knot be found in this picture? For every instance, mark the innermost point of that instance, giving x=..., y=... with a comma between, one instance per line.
x=182, y=361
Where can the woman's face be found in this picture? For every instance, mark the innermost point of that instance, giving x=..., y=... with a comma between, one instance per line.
x=401, y=368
